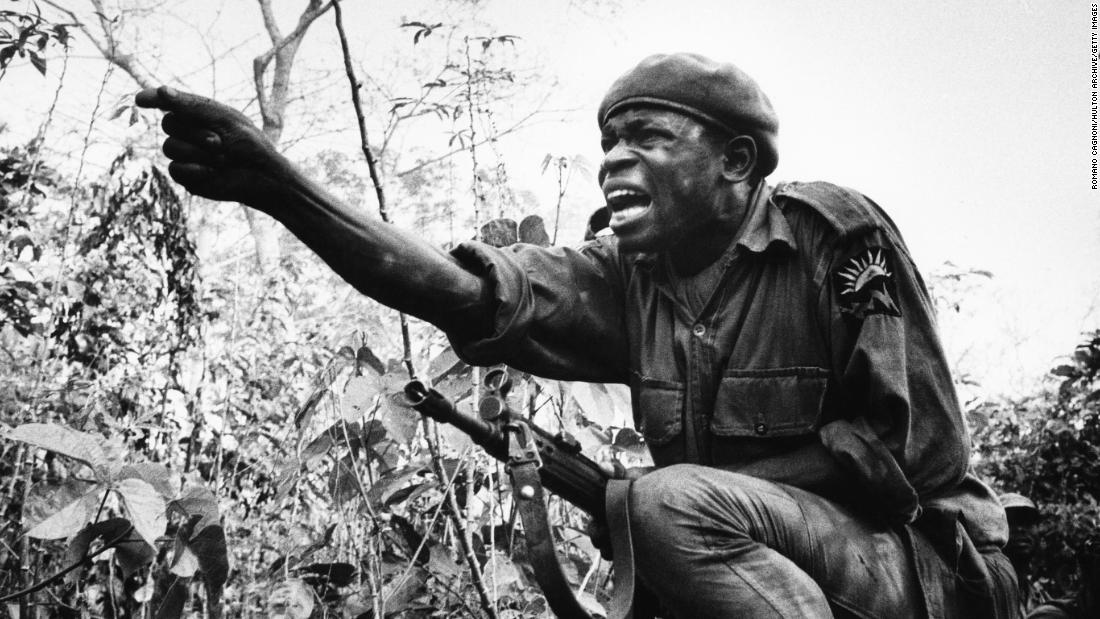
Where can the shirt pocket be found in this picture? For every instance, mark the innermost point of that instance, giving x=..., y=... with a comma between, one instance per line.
x=774, y=402
x=660, y=410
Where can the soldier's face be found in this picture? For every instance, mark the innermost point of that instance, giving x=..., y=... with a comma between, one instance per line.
x=661, y=176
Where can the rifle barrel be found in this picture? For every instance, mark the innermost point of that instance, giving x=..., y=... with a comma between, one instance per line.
x=564, y=470
x=433, y=404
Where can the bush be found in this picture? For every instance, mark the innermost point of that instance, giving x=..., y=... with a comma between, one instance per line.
x=1047, y=447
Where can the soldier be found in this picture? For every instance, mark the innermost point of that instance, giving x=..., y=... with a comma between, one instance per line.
x=1022, y=518
x=811, y=457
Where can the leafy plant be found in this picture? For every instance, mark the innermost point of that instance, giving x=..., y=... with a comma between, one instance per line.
x=122, y=505
x=1047, y=448
x=25, y=34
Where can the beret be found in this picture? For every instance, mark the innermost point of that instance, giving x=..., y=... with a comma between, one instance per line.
x=713, y=92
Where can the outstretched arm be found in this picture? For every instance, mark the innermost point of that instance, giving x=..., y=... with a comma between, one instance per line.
x=218, y=153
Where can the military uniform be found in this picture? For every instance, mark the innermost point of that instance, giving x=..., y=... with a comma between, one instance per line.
x=809, y=358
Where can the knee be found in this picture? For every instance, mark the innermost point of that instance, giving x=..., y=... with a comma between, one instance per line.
x=668, y=485
x=688, y=495
x=671, y=496
x=679, y=516
x=660, y=500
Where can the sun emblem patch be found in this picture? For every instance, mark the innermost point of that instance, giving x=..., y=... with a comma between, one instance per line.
x=865, y=284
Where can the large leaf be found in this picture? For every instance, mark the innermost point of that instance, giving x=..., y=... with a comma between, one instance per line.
x=505, y=575
x=70, y=518
x=80, y=446
x=400, y=593
x=452, y=440
x=1068, y=371
x=146, y=508
x=387, y=454
x=198, y=501
x=372, y=433
x=321, y=384
x=359, y=397
x=344, y=485
x=412, y=539
x=204, y=552
x=532, y=230
x=388, y=484
x=210, y=550
x=409, y=493
x=305, y=413
x=131, y=552
x=442, y=564
x=320, y=445
x=444, y=364
x=500, y=232
x=184, y=561
x=337, y=574
x=365, y=358
x=400, y=420
x=171, y=605
x=47, y=498
x=344, y=434
x=154, y=473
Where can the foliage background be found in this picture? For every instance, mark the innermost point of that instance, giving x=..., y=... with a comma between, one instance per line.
x=210, y=382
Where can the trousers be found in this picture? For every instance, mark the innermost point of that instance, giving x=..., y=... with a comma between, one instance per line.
x=712, y=543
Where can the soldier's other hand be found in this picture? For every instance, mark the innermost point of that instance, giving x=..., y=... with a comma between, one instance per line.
x=216, y=151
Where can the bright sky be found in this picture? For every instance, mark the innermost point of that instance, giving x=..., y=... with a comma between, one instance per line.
x=968, y=121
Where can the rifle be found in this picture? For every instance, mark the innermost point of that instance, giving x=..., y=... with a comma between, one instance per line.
x=535, y=459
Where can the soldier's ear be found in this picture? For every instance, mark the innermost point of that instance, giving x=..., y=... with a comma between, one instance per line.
x=739, y=159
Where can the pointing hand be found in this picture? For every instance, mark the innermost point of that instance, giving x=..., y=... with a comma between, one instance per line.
x=216, y=151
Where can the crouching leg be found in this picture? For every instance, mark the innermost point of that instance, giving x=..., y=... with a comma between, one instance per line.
x=711, y=543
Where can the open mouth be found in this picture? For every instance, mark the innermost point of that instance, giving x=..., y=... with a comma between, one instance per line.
x=627, y=205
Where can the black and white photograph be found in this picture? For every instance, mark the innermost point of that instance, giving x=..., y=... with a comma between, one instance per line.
x=590, y=309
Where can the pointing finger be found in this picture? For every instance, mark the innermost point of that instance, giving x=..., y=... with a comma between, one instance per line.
x=149, y=97
x=197, y=107
x=167, y=98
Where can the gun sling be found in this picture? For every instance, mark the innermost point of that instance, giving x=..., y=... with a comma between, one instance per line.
x=534, y=457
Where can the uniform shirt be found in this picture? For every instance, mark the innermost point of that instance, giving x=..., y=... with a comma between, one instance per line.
x=815, y=360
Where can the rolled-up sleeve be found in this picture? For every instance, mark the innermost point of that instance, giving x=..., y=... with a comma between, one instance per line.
x=901, y=430
x=558, y=312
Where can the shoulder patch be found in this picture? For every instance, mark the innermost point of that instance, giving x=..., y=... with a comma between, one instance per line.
x=847, y=211
x=865, y=284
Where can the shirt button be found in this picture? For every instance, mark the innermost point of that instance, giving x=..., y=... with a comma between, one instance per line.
x=761, y=429
x=699, y=330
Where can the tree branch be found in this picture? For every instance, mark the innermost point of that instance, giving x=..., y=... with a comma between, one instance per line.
x=270, y=24
x=109, y=47
x=283, y=50
x=372, y=165
x=434, y=160
x=437, y=463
